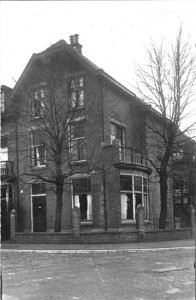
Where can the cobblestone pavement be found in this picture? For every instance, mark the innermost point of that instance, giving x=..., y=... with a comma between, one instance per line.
x=101, y=276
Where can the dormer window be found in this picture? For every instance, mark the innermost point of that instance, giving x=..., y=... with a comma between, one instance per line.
x=38, y=103
x=2, y=102
x=77, y=93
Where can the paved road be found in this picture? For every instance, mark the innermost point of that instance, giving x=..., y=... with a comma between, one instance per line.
x=100, y=276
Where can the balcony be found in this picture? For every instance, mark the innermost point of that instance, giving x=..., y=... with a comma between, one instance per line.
x=6, y=169
x=131, y=156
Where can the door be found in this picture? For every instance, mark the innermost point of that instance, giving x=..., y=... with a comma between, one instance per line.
x=39, y=214
x=6, y=207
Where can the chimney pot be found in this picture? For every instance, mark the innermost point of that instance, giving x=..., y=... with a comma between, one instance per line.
x=74, y=43
x=76, y=38
x=71, y=39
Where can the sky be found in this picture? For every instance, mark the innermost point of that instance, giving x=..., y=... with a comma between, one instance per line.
x=113, y=33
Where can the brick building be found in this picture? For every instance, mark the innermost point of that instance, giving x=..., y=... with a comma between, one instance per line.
x=99, y=125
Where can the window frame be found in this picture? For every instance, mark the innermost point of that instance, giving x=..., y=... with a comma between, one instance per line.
x=76, y=90
x=33, y=150
x=133, y=192
x=117, y=127
x=39, y=100
x=88, y=194
x=75, y=142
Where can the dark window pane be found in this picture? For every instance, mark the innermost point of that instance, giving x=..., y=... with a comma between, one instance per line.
x=137, y=183
x=126, y=183
x=38, y=188
x=77, y=130
x=129, y=206
x=83, y=207
x=138, y=199
x=145, y=183
x=4, y=142
x=82, y=185
x=3, y=191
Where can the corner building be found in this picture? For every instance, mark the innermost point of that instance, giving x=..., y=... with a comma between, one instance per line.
x=106, y=150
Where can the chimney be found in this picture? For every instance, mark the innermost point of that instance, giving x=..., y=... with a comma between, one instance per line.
x=74, y=43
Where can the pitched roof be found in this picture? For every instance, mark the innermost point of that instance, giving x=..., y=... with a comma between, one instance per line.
x=63, y=45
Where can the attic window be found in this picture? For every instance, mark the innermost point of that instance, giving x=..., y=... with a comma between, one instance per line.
x=38, y=102
x=77, y=92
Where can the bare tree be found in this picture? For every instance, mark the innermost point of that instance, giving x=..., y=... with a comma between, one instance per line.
x=166, y=83
x=56, y=119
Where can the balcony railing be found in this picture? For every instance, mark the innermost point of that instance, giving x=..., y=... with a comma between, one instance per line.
x=6, y=168
x=129, y=155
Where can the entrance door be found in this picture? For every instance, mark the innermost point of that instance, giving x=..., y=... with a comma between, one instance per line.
x=5, y=224
x=6, y=207
x=39, y=214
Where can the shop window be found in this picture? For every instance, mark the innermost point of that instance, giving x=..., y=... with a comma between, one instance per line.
x=82, y=197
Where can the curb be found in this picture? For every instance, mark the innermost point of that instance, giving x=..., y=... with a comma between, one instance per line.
x=98, y=250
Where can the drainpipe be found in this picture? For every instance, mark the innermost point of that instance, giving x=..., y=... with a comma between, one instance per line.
x=16, y=202
x=104, y=171
x=102, y=110
x=105, y=202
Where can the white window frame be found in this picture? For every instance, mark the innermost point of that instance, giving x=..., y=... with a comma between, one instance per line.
x=76, y=90
x=134, y=192
x=38, y=96
x=76, y=140
x=34, y=149
x=75, y=202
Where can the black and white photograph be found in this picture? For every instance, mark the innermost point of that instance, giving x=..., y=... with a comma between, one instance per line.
x=98, y=150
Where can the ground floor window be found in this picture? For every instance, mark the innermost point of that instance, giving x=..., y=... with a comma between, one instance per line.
x=38, y=193
x=134, y=191
x=82, y=197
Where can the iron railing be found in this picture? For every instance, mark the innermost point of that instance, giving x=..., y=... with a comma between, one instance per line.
x=130, y=155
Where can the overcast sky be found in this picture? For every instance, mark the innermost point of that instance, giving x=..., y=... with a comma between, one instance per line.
x=113, y=33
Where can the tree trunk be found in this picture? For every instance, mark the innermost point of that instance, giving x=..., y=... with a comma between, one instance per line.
x=163, y=192
x=58, y=211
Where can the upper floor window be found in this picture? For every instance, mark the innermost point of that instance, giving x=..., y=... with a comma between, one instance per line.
x=178, y=155
x=4, y=148
x=78, y=148
x=117, y=133
x=2, y=102
x=38, y=102
x=77, y=93
x=36, y=152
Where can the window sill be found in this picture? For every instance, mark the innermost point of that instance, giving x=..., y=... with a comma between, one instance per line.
x=86, y=222
x=72, y=109
x=134, y=221
x=78, y=162
x=39, y=167
x=128, y=222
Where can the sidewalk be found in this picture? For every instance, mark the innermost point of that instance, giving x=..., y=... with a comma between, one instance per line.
x=176, y=245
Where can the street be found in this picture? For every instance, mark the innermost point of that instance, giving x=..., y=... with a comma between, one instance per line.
x=100, y=276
